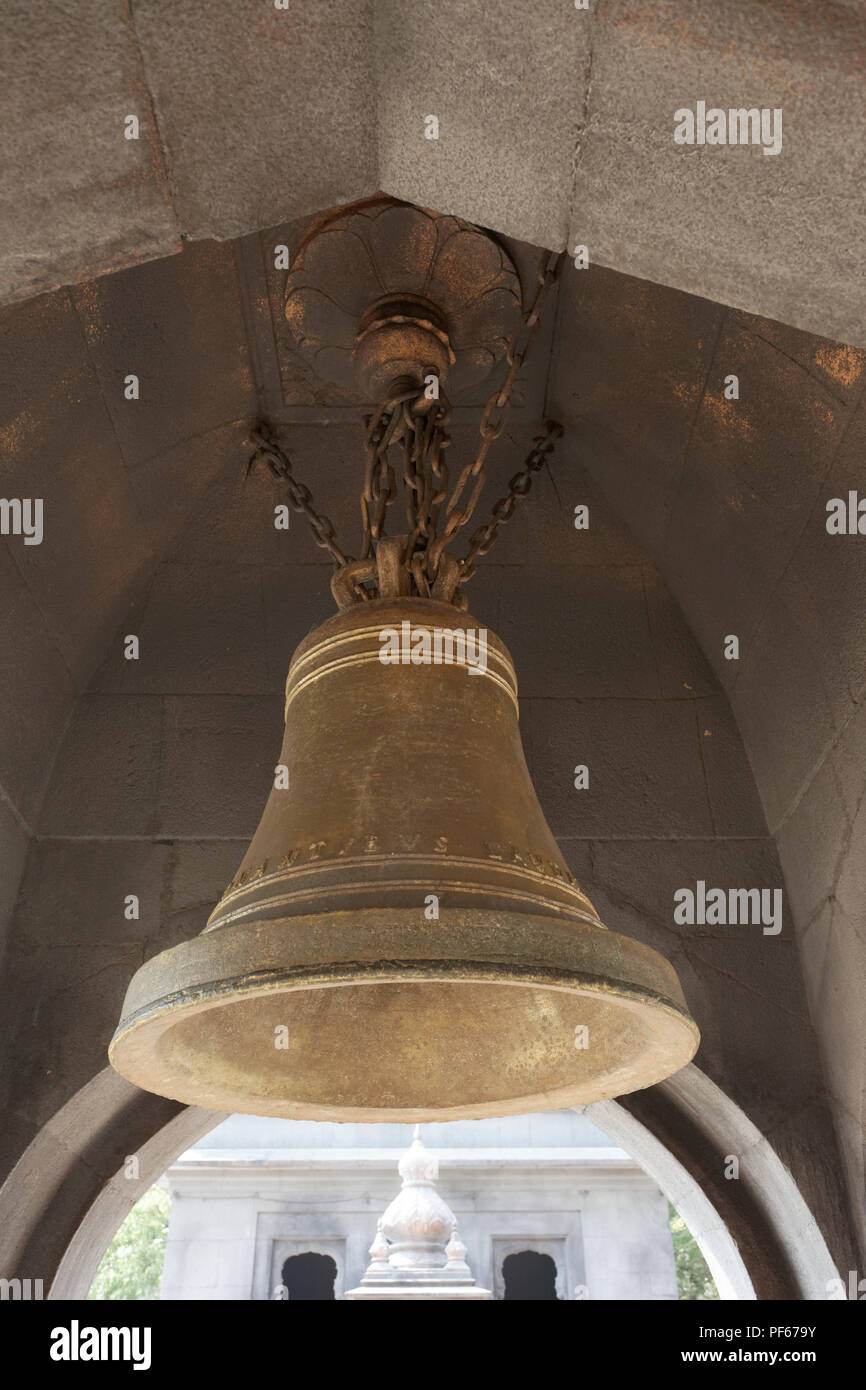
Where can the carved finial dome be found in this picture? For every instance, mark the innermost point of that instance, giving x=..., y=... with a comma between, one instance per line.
x=418, y=1224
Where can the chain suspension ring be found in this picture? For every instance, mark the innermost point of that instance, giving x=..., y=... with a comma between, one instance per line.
x=416, y=423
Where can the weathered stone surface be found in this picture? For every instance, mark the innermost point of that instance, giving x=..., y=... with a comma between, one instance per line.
x=14, y=841
x=77, y=982
x=84, y=200
x=203, y=627
x=826, y=582
x=106, y=779
x=30, y=730
x=549, y=641
x=542, y=531
x=737, y=526
x=599, y=312
x=58, y=446
x=740, y=480
x=812, y=841
x=74, y=893
x=177, y=325
x=784, y=749
x=199, y=870
x=840, y=1001
x=519, y=108
x=728, y=222
x=556, y=125
x=223, y=796
x=645, y=772
x=264, y=113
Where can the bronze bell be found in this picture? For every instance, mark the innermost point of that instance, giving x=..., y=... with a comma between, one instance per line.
x=403, y=940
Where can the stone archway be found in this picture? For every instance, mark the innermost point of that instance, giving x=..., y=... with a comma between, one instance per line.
x=64, y=1200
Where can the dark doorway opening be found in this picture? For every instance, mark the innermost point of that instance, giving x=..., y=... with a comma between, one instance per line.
x=309, y=1276
x=529, y=1275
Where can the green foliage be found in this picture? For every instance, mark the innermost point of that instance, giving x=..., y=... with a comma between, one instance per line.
x=132, y=1265
x=693, y=1276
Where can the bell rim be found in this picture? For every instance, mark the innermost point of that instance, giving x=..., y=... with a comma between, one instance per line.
x=134, y=1049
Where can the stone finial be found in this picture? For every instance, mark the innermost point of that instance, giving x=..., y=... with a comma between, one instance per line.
x=379, y=1250
x=416, y=1252
x=418, y=1223
x=455, y=1253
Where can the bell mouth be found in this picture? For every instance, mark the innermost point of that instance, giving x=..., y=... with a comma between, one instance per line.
x=423, y=1039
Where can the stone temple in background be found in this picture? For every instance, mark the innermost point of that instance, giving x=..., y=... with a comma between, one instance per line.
x=546, y=1207
x=417, y=1254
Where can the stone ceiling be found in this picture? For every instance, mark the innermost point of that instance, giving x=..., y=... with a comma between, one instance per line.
x=556, y=126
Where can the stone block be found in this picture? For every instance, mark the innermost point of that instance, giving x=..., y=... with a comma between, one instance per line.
x=624, y=337
x=826, y=582
x=639, y=488
x=30, y=729
x=200, y=632
x=812, y=843
x=838, y=367
x=780, y=702
x=56, y=1055
x=727, y=222
x=179, y=492
x=847, y=755
x=593, y=641
x=176, y=324
x=734, y=800
x=812, y=941
x=840, y=1011
x=645, y=772
x=74, y=893
x=14, y=842
x=635, y=881
x=296, y=598
x=199, y=872
x=86, y=200
x=683, y=670
x=240, y=88
x=237, y=516
x=106, y=778
x=769, y=1062
x=520, y=108
x=60, y=448
x=218, y=760
x=546, y=516
x=754, y=467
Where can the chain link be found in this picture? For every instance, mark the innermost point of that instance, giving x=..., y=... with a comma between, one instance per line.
x=493, y=419
x=503, y=510
x=300, y=497
x=418, y=425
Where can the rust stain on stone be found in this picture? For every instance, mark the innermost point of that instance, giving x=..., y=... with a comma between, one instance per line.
x=730, y=415
x=844, y=364
x=687, y=392
x=17, y=434
x=86, y=298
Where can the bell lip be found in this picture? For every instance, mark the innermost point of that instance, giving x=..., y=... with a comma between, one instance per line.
x=151, y=1009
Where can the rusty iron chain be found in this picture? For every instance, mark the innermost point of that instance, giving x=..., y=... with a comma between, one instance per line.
x=384, y=428
x=503, y=510
x=300, y=497
x=419, y=427
x=496, y=410
x=407, y=418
